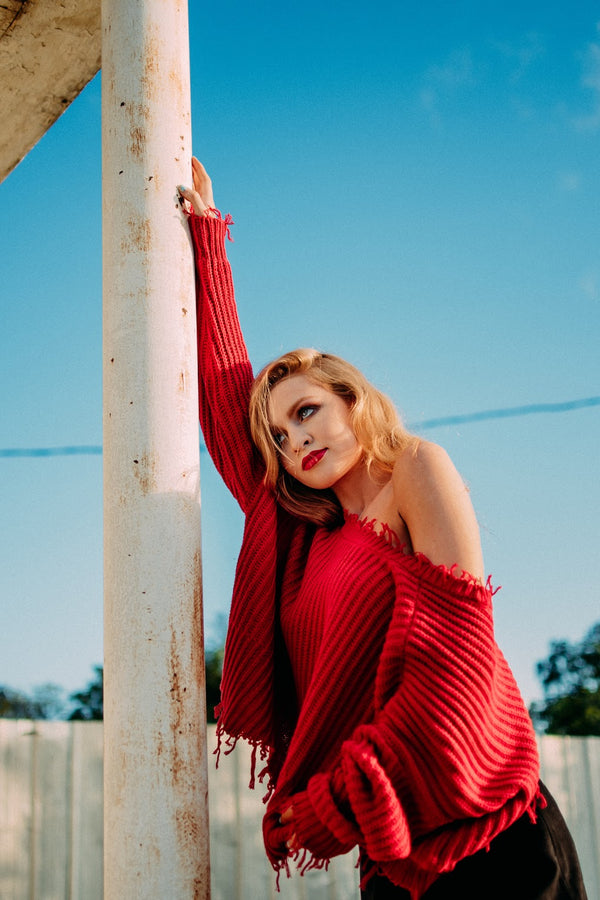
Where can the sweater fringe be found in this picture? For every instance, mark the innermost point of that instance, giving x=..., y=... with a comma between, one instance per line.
x=440, y=574
x=216, y=214
x=227, y=220
x=226, y=744
x=306, y=861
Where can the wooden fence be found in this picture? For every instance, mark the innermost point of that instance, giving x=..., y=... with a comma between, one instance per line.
x=51, y=818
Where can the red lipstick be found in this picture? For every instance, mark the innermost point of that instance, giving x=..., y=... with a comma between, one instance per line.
x=313, y=458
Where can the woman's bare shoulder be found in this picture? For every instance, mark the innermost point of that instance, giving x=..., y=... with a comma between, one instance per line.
x=424, y=461
x=434, y=501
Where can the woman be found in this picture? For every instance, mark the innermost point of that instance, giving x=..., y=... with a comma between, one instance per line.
x=360, y=660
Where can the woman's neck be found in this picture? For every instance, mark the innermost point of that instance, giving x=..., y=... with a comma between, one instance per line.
x=356, y=490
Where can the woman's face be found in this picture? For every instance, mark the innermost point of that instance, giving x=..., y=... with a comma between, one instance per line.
x=312, y=427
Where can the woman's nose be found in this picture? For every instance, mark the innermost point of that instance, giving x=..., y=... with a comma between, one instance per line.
x=299, y=439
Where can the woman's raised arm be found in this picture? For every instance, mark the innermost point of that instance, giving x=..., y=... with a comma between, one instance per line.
x=224, y=370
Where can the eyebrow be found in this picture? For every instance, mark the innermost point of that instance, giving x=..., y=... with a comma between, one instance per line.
x=304, y=401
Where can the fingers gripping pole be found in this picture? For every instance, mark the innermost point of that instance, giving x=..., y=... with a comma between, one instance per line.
x=156, y=821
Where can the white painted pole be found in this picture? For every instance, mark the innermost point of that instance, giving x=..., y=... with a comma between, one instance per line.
x=156, y=820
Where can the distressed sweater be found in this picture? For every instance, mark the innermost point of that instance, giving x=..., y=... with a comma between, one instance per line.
x=366, y=679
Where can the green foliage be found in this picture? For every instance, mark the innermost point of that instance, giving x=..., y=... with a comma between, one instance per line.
x=51, y=700
x=89, y=703
x=570, y=677
x=214, y=668
x=16, y=705
x=46, y=702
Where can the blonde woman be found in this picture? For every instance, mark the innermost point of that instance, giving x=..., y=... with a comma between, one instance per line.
x=360, y=660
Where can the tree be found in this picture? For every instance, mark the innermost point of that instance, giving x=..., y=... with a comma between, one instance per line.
x=213, y=661
x=46, y=702
x=51, y=700
x=89, y=703
x=17, y=705
x=570, y=677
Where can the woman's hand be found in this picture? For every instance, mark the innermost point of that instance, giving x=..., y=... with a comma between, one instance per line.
x=286, y=818
x=200, y=197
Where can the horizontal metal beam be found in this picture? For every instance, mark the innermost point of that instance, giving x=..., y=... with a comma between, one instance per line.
x=49, y=51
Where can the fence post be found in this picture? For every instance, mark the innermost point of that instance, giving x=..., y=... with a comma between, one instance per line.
x=156, y=820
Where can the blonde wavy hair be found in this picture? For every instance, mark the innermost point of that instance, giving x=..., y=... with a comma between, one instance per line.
x=373, y=417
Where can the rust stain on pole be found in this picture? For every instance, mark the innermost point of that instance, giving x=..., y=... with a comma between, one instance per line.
x=137, y=236
x=197, y=618
x=144, y=470
x=156, y=812
x=137, y=136
x=176, y=711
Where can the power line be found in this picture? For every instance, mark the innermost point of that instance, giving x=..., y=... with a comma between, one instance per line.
x=505, y=413
x=83, y=450
x=509, y=412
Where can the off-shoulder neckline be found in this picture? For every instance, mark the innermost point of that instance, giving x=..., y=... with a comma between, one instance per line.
x=356, y=527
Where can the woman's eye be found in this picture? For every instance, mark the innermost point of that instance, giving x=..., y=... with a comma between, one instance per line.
x=305, y=411
x=279, y=439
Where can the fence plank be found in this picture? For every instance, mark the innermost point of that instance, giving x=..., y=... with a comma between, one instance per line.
x=570, y=770
x=592, y=862
x=51, y=808
x=239, y=866
x=16, y=850
x=51, y=817
x=86, y=865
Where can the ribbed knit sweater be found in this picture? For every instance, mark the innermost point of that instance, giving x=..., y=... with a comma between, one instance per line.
x=366, y=678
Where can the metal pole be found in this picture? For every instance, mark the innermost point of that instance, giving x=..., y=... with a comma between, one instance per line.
x=156, y=819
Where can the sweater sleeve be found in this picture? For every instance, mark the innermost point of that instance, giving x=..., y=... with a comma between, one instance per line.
x=450, y=758
x=224, y=370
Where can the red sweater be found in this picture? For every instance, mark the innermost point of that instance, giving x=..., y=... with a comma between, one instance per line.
x=369, y=680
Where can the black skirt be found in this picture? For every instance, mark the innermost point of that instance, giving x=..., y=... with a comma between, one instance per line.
x=528, y=861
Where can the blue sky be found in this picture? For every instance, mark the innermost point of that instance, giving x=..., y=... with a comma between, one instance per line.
x=415, y=187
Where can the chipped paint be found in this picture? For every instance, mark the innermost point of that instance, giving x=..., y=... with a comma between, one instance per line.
x=137, y=236
x=144, y=470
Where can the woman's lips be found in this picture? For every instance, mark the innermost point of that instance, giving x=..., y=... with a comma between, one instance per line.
x=313, y=458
